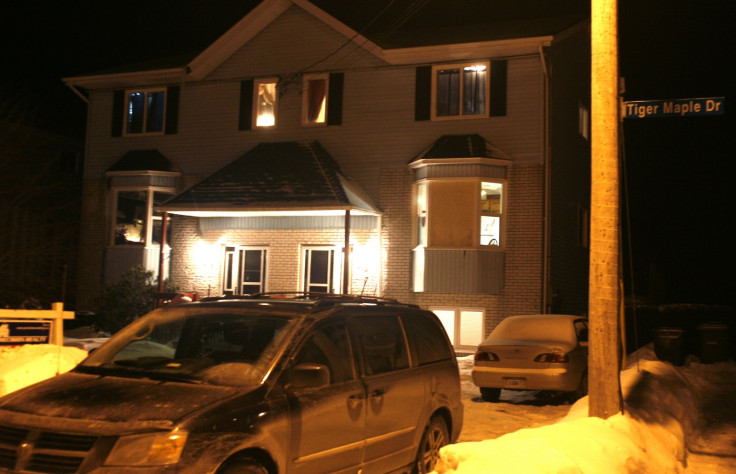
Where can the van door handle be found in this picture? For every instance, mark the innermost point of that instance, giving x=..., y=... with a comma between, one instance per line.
x=378, y=393
x=354, y=401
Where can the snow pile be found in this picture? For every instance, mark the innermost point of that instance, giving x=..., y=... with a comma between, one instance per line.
x=25, y=365
x=661, y=408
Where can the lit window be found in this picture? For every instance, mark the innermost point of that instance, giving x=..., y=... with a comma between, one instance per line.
x=265, y=102
x=450, y=213
x=244, y=270
x=464, y=326
x=460, y=90
x=314, y=99
x=144, y=111
x=490, y=213
x=136, y=223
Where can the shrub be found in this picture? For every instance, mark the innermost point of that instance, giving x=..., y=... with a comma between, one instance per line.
x=130, y=298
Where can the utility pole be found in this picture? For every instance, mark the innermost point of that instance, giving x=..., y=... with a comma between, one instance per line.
x=604, y=386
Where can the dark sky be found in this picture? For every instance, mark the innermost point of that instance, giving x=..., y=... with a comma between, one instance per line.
x=679, y=169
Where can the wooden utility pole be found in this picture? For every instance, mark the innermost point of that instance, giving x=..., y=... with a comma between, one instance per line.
x=604, y=386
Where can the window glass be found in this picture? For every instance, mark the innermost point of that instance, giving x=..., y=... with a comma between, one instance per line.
x=315, y=99
x=490, y=213
x=382, y=344
x=265, y=103
x=428, y=339
x=253, y=263
x=145, y=111
x=329, y=346
x=471, y=328
x=421, y=214
x=461, y=90
x=244, y=270
x=321, y=271
x=130, y=217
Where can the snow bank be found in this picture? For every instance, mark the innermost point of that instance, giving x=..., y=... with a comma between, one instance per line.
x=28, y=364
x=660, y=409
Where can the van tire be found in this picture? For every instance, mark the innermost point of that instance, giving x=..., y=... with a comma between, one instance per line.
x=435, y=436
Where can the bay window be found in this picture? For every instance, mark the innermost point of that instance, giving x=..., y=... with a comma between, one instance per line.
x=135, y=221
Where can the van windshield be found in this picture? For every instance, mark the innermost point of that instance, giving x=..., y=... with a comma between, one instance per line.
x=207, y=347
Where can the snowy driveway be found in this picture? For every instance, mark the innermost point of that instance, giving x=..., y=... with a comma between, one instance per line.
x=516, y=410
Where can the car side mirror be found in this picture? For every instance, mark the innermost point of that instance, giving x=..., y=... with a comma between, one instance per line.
x=310, y=376
x=583, y=337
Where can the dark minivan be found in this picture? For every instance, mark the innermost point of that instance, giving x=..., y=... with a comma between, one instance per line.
x=262, y=384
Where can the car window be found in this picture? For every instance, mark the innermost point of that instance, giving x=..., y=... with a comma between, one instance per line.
x=427, y=338
x=328, y=345
x=382, y=344
x=542, y=328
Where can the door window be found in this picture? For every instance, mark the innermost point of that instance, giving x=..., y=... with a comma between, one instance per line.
x=382, y=344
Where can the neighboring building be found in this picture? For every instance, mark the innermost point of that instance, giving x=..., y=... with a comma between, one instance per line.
x=452, y=161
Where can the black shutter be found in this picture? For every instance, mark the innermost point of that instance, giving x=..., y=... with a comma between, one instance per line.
x=246, y=105
x=497, y=105
x=334, y=99
x=172, y=110
x=118, y=99
x=423, y=93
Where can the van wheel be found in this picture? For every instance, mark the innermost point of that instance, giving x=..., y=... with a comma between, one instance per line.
x=435, y=436
x=242, y=466
x=490, y=394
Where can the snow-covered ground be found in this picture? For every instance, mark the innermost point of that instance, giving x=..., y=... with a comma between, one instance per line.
x=666, y=407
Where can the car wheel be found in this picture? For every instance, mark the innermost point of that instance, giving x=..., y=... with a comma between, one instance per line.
x=242, y=466
x=490, y=394
x=435, y=436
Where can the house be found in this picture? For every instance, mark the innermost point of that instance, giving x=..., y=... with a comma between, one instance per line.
x=414, y=150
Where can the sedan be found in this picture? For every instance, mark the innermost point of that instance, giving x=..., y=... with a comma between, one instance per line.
x=542, y=352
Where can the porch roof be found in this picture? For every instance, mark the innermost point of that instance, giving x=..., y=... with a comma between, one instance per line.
x=283, y=178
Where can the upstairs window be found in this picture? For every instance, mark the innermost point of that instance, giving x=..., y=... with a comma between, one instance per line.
x=460, y=90
x=144, y=111
x=314, y=99
x=265, y=102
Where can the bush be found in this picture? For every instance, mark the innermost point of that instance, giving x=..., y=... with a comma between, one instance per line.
x=130, y=298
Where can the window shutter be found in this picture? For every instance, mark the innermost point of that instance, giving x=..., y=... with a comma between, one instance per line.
x=423, y=93
x=497, y=106
x=334, y=99
x=246, y=105
x=118, y=98
x=172, y=110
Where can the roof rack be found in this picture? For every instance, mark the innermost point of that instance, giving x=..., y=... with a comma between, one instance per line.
x=310, y=295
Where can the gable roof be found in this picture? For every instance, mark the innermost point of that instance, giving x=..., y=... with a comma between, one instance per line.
x=395, y=31
x=273, y=178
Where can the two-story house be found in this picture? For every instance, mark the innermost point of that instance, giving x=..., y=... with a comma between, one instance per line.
x=423, y=152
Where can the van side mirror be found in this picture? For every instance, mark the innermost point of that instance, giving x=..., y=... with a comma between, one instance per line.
x=310, y=375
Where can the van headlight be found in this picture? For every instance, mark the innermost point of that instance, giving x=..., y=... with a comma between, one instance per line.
x=149, y=449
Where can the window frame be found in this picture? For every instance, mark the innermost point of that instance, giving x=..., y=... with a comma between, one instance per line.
x=306, y=96
x=150, y=217
x=144, y=125
x=335, y=267
x=256, y=105
x=476, y=183
x=461, y=93
x=456, y=336
x=235, y=270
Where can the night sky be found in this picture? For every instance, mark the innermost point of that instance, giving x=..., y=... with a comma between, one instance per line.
x=679, y=172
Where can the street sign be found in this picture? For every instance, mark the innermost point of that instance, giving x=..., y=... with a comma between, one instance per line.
x=673, y=107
